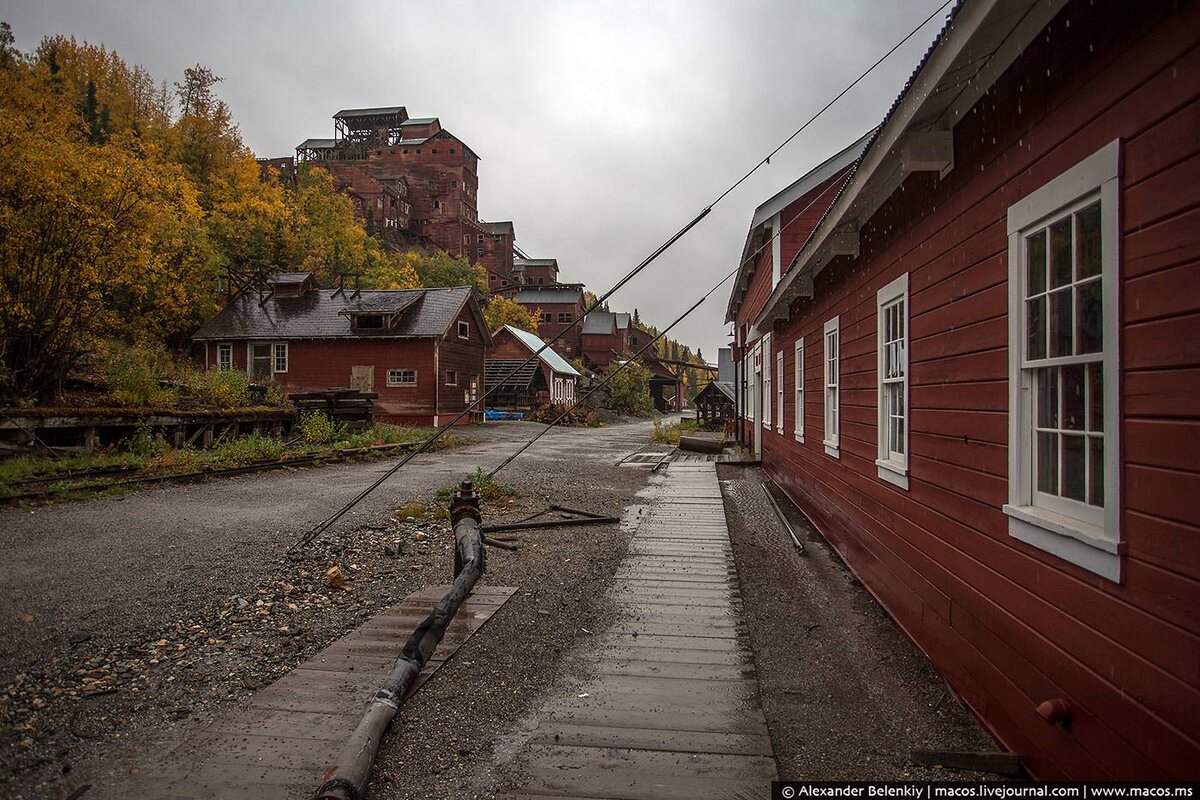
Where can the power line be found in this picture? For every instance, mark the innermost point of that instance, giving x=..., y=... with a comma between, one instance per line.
x=329, y=521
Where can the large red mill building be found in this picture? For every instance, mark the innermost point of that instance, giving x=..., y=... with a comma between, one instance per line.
x=973, y=359
x=410, y=177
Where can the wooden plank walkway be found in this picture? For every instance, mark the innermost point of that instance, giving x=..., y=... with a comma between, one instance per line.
x=281, y=740
x=670, y=708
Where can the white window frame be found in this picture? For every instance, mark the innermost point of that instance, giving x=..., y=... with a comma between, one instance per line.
x=798, y=368
x=766, y=382
x=464, y=330
x=779, y=391
x=225, y=356
x=892, y=466
x=276, y=349
x=1091, y=538
x=831, y=381
x=452, y=374
x=395, y=375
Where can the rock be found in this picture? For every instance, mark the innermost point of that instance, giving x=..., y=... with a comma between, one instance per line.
x=81, y=637
x=334, y=577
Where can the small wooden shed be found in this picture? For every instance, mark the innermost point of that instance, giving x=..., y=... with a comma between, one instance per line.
x=714, y=403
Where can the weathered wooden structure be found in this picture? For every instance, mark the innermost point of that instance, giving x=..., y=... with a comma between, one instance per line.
x=972, y=359
x=419, y=351
x=522, y=386
x=351, y=406
x=714, y=403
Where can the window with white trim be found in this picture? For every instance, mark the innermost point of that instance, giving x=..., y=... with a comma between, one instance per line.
x=798, y=367
x=779, y=391
x=766, y=381
x=451, y=377
x=225, y=357
x=891, y=311
x=832, y=399
x=401, y=377
x=464, y=330
x=280, y=360
x=1063, y=366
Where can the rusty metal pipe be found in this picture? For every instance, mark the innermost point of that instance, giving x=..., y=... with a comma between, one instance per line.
x=347, y=778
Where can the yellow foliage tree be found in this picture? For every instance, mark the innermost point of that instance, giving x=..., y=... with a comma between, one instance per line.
x=501, y=311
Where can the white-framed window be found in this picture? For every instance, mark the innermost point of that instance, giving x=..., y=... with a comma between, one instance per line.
x=1064, y=464
x=891, y=312
x=225, y=356
x=798, y=367
x=832, y=399
x=401, y=377
x=451, y=377
x=779, y=391
x=279, y=361
x=464, y=330
x=766, y=381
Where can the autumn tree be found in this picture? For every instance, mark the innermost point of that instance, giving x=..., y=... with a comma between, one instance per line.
x=629, y=388
x=501, y=311
x=440, y=269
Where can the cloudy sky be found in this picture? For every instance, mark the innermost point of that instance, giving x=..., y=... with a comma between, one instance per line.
x=602, y=127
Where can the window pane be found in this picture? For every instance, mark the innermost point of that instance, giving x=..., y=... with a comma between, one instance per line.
x=1060, y=253
x=1096, y=471
x=1091, y=318
x=1047, y=398
x=1036, y=335
x=1072, y=391
x=1035, y=263
x=1095, y=397
x=1087, y=237
x=1061, y=328
x=1047, y=459
x=1073, y=468
x=899, y=448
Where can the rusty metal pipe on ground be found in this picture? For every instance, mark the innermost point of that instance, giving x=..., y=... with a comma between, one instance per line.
x=347, y=778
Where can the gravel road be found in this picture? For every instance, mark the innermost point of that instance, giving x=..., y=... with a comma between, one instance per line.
x=129, y=622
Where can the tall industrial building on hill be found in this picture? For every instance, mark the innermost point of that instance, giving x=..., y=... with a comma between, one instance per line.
x=413, y=181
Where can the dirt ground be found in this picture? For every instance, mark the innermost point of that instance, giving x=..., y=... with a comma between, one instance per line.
x=847, y=696
x=130, y=622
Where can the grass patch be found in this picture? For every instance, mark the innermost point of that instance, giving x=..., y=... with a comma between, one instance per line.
x=490, y=490
x=669, y=433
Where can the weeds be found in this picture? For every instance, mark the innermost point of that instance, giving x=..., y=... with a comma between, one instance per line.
x=669, y=433
x=489, y=489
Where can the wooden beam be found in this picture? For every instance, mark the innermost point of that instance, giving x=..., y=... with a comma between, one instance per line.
x=927, y=151
x=844, y=241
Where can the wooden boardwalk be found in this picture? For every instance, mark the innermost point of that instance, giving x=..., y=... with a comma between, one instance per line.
x=281, y=740
x=670, y=705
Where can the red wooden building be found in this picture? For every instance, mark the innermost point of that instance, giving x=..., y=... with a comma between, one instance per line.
x=604, y=336
x=420, y=350
x=978, y=372
x=558, y=307
x=521, y=384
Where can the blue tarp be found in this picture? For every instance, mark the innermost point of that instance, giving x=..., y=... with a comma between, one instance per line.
x=493, y=414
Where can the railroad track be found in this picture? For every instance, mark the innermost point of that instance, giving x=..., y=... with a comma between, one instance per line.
x=47, y=487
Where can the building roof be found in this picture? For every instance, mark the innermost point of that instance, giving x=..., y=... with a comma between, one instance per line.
x=322, y=314
x=599, y=323
x=724, y=387
x=510, y=372
x=980, y=40
x=536, y=262
x=560, y=294
x=623, y=320
x=317, y=144
x=499, y=227
x=418, y=121
x=369, y=112
x=409, y=142
x=548, y=356
x=290, y=277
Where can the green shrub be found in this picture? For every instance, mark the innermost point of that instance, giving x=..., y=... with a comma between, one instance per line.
x=146, y=443
x=244, y=449
x=318, y=429
x=219, y=389
x=135, y=376
x=629, y=388
x=489, y=489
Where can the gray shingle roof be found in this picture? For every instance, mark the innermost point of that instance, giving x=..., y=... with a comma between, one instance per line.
x=321, y=315
x=532, y=295
x=623, y=320
x=368, y=112
x=290, y=277
x=599, y=323
x=498, y=227
x=317, y=144
x=418, y=121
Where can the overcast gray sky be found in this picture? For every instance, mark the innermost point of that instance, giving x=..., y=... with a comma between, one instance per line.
x=602, y=127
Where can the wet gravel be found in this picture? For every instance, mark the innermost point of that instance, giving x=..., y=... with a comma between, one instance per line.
x=846, y=695
x=129, y=623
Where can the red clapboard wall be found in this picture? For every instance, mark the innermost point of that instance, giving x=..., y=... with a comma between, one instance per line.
x=1010, y=625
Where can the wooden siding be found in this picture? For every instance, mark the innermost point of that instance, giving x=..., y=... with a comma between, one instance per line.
x=1008, y=624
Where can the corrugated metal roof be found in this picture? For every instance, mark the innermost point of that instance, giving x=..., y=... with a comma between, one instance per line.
x=811, y=180
x=418, y=121
x=317, y=144
x=408, y=142
x=368, y=112
x=551, y=358
x=513, y=373
x=536, y=262
x=290, y=277
x=323, y=314
x=499, y=227
x=532, y=295
x=623, y=320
